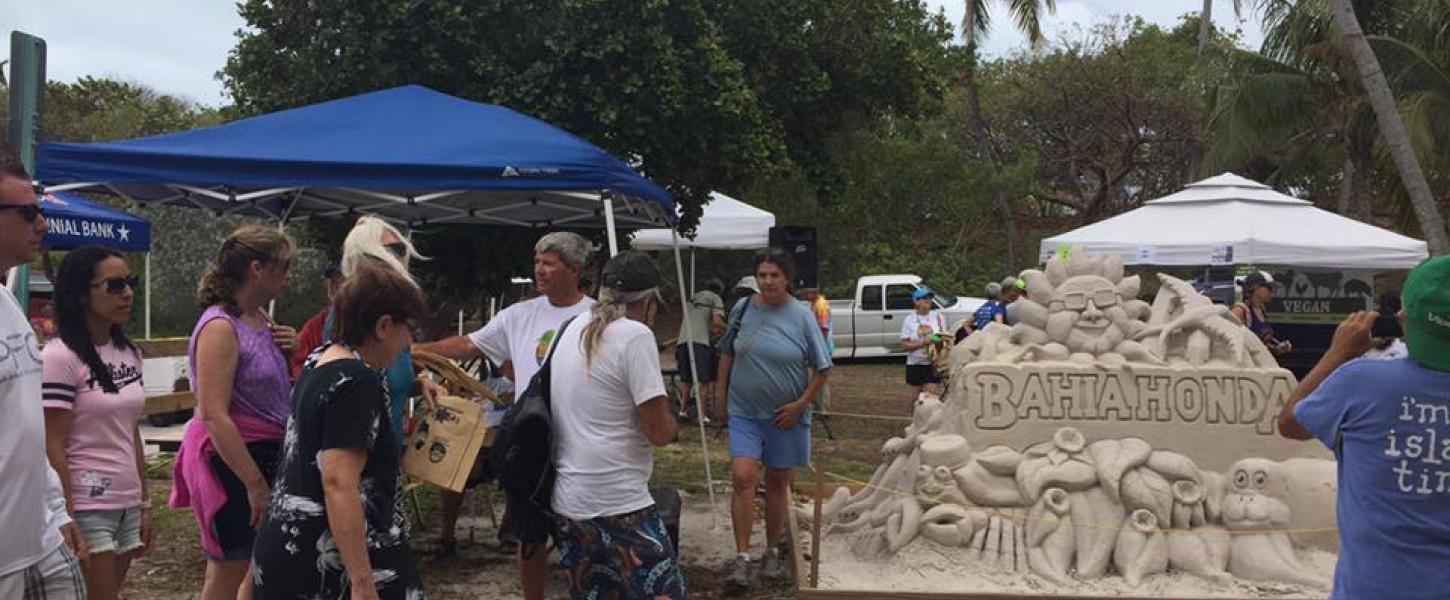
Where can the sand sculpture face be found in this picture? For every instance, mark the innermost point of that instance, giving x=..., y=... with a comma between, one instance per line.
x=1078, y=506
x=1255, y=497
x=1087, y=315
x=1083, y=310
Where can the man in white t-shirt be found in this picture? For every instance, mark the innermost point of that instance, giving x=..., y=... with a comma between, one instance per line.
x=609, y=409
x=40, y=543
x=521, y=334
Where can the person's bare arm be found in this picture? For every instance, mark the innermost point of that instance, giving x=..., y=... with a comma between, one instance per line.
x=458, y=347
x=659, y=425
x=148, y=528
x=341, y=470
x=722, y=385
x=1241, y=312
x=1351, y=339
x=786, y=415
x=216, y=363
x=57, y=434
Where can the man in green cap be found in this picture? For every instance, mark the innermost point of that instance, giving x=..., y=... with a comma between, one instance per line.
x=1388, y=423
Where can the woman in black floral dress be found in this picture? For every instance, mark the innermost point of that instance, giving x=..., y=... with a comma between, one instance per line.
x=335, y=528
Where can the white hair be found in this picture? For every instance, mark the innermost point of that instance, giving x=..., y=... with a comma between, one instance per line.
x=365, y=241
x=611, y=306
x=571, y=247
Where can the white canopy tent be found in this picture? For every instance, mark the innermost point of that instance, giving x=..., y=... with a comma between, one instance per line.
x=1228, y=219
x=725, y=224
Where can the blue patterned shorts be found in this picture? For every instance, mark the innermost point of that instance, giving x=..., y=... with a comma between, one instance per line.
x=623, y=556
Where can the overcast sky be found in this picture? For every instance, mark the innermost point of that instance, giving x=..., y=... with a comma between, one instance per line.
x=177, y=46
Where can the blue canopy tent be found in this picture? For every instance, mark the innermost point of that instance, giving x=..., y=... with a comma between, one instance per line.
x=410, y=154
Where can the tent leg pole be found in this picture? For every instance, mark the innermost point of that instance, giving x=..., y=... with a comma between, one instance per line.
x=609, y=224
x=692, y=272
x=272, y=305
x=695, y=377
x=147, y=269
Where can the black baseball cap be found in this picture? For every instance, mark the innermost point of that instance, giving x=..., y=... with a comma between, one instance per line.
x=631, y=272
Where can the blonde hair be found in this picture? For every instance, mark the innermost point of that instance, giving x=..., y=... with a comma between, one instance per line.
x=226, y=275
x=365, y=241
x=611, y=306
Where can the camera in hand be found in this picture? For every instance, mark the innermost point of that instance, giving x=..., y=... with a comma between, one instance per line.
x=1386, y=326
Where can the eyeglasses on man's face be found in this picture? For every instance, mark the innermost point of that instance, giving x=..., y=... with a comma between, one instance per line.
x=29, y=212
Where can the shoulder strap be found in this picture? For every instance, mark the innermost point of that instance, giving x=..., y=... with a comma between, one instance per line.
x=737, y=315
x=545, y=373
x=549, y=358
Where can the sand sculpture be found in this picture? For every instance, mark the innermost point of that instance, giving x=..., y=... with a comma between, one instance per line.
x=1081, y=507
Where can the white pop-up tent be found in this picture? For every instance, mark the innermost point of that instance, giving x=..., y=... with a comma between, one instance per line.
x=725, y=224
x=1228, y=219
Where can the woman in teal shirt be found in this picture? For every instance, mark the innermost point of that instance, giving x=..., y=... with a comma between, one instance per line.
x=773, y=363
x=374, y=240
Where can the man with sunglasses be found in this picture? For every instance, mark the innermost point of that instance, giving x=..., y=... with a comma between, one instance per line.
x=41, y=544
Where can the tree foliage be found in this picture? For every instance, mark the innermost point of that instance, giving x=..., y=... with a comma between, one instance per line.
x=1108, y=120
x=703, y=95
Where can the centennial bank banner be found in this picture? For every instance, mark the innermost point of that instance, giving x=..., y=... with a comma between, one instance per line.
x=75, y=221
x=1198, y=412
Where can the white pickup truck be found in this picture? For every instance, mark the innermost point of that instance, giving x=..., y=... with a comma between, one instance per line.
x=870, y=325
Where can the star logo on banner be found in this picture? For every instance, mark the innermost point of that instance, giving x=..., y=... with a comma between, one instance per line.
x=125, y=233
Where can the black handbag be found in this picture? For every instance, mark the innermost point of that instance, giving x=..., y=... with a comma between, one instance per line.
x=522, y=455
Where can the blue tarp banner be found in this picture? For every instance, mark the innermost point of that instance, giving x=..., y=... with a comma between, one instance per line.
x=75, y=221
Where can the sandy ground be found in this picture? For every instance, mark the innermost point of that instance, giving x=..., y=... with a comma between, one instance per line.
x=705, y=544
x=925, y=566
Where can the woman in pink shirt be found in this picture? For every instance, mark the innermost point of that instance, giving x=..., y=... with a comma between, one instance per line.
x=93, y=396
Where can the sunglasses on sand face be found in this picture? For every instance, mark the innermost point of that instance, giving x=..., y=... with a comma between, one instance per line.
x=115, y=286
x=29, y=212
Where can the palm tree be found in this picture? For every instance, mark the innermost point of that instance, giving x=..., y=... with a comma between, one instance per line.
x=1205, y=22
x=1293, y=107
x=1027, y=15
x=1392, y=127
x=1298, y=106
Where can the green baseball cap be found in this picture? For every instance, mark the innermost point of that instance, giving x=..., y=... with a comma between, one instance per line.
x=1427, y=313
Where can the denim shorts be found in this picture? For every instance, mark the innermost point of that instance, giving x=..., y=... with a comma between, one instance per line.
x=776, y=448
x=116, y=530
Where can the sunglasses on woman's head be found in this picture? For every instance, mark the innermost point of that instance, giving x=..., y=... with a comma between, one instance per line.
x=117, y=285
x=397, y=249
x=29, y=212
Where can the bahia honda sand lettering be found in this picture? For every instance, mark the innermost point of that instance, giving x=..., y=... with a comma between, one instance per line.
x=1001, y=396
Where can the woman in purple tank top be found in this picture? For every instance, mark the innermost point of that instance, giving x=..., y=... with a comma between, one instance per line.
x=229, y=455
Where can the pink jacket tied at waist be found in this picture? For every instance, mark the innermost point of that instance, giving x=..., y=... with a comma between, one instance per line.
x=195, y=485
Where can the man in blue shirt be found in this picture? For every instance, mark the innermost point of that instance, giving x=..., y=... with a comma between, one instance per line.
x=1388, y=422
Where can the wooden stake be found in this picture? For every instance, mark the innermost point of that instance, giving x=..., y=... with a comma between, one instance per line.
x=816, y=532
